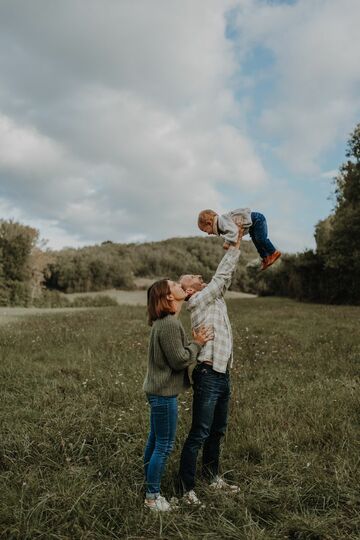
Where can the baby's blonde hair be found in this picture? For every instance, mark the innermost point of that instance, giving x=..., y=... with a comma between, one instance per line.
x=205, y=216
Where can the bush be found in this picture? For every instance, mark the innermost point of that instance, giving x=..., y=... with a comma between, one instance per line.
x=55, y=299
x=51, y=299
x=89, y=269
x=94, y=301
x=15, y=293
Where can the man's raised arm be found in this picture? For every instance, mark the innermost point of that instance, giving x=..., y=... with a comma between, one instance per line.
x=222, y=278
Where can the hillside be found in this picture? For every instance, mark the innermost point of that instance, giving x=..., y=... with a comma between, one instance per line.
x=109, y=265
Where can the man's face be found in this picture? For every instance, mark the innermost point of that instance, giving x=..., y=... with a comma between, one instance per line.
x=192, y=283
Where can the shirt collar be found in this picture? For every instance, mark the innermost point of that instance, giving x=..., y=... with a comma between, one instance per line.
x=215, y=226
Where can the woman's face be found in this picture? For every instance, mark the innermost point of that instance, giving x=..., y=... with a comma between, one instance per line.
x=176, y=290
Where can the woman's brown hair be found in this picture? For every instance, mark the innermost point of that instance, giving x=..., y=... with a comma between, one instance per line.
x=158, y=305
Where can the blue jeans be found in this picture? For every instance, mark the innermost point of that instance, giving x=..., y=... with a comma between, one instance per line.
x=163, y=421
x=258, y=233
x=209, y=421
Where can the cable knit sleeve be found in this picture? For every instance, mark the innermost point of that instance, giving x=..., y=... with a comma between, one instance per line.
x=178, y=352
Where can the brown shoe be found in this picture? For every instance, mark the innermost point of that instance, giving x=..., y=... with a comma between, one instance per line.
x=270, y=259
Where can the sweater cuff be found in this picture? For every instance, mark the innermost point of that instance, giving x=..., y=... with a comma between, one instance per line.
x=199, y=347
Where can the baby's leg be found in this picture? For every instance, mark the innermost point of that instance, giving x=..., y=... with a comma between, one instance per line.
x=259, y=235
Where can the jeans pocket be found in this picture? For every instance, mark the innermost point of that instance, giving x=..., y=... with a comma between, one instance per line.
x=196, y=371
x=200, y=375
x=207, y=382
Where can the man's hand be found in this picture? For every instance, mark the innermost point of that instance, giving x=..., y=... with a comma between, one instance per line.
x=240, y=235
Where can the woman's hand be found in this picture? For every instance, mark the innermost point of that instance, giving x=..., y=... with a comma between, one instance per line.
x=203, y=334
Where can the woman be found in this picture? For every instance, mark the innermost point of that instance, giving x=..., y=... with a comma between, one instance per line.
x=170, y=354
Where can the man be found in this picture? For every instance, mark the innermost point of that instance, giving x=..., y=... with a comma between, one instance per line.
x=211, y=375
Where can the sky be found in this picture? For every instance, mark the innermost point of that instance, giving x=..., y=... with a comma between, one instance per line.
x=120, y=120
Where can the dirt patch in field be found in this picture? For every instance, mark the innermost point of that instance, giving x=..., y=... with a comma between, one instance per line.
x=138, y=298
x=130, y=298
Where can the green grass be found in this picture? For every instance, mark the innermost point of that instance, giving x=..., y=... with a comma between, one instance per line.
x=74, y=422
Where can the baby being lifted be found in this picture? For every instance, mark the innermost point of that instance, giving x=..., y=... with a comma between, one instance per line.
x=227, y=226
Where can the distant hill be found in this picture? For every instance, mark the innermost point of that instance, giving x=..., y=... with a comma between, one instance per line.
x=109, y=265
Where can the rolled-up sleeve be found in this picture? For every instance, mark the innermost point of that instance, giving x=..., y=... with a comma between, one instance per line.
x=219, y=283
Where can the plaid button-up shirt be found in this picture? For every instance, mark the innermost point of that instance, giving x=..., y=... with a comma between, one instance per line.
x=207, y=307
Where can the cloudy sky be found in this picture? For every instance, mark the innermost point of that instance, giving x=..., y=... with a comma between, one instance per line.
x=121, y=119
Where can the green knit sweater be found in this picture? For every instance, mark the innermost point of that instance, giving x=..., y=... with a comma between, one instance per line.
x=170, y=354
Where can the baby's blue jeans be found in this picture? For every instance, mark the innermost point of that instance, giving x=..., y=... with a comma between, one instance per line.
x=259, y=235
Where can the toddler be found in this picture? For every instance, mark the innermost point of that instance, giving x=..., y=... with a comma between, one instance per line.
x=227, y=226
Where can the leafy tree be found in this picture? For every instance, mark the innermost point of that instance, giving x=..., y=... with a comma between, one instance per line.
x=17, y=243
x=323, y=231
x=332, y=273
x=341, y=248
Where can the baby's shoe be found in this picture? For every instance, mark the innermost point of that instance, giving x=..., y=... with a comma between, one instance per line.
x=270, y=259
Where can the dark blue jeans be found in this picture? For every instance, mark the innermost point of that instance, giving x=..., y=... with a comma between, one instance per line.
x=209, y=420
x=259, y=235
x=163, y=421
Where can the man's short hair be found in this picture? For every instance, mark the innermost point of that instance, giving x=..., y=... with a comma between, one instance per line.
x=182, y=286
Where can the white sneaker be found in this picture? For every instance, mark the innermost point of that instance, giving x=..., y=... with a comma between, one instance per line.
x=220, y=484
x=191, y=498
x=159, y=504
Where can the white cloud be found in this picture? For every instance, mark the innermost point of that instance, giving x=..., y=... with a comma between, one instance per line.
x=122, y=123
x=126, y=125
x=315, y=47
x=24, y=149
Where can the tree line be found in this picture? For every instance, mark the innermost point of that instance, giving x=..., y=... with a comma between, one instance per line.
x=110, y=265
x=26, y=271
x=331, y=273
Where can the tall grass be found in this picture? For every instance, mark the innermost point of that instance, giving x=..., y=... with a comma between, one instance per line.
x=74, y=422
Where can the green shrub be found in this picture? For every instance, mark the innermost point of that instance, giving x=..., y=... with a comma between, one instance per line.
x=94, y=301
x=51, y=299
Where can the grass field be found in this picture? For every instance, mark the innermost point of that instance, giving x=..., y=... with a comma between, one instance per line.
x=74, y=422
